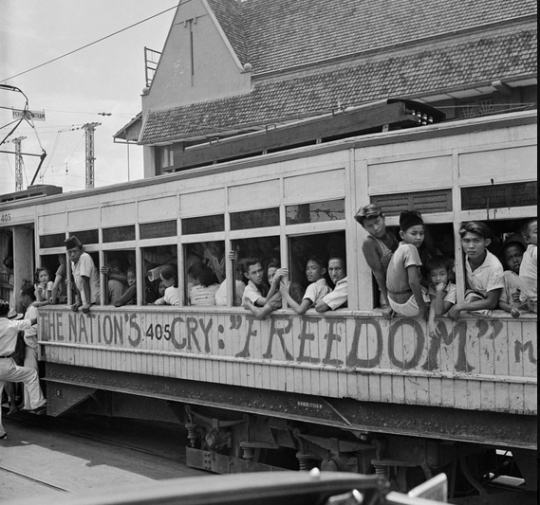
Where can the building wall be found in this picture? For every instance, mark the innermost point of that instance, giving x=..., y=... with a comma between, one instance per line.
x=195, y=37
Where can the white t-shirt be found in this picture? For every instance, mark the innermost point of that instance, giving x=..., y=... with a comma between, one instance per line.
x=85, y=267
x=30, y=335
x=338, y=297
x=8, y=334
x=252, y=293
x=221, y=293
x=172, y=296
x=317, y=290
x=528, y=274
x=487, y=277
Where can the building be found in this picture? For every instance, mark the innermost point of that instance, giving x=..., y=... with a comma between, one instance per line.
x=232, y=67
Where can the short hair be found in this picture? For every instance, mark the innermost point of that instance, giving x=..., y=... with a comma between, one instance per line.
x=42, y=269
x=272, y=264
x=132, y=270
x=515, y=243
x=525, y=227
x=169, y=272
x=371, y=211
x=316, y=258
x=202, y=273
x=4, y=308
x=476, y=227
x=340, y=258
x=249, y=262
x=28, y=291
x=439, y=262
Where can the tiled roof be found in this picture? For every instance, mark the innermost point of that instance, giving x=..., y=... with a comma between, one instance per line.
x=282, y=33
x=229, y=16
x=425, y=70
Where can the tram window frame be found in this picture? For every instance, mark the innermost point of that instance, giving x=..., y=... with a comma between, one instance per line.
x=46, y=260
x=199, y=249
x=323, y=249
x=116, y=253
x=151, y=274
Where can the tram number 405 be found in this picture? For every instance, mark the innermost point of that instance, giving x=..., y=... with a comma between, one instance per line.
x=5, y=218
x=158, y=331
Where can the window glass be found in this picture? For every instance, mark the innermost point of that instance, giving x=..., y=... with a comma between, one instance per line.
x=119, y=234
x=158, y=230
x=205, y=224
x=255, y=219
x=318, y=212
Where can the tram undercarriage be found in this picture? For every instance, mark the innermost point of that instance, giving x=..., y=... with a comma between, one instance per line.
x=235, y=429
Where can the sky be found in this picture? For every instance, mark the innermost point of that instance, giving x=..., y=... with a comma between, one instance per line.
x=107, y=77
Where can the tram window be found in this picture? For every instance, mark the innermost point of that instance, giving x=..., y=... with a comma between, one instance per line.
x=204, y=271
x=158, y=230
x=154, y=259
x=86, y=236
x=267, y=249
x=6, y=267
x=118, y=234
x=116, y=276
x=301, y=248
x=317, y=212
x=205, y=224
x=56, y=266
x=259, y=218
x=54, y=240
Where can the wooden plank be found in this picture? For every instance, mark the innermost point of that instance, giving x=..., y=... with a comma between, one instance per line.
x=530, y=399
x=517, y=397
x=447, y=387
x=487, y=396
x=502, y=397
x=515, y=342
x=435, y=391
x=530, y=350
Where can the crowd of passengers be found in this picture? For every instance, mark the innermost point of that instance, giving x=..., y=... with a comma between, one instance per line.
x=414, y=278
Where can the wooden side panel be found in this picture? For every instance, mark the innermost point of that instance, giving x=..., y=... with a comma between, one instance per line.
x=476, y=364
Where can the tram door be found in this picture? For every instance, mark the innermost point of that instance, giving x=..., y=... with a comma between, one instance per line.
x=17, y=267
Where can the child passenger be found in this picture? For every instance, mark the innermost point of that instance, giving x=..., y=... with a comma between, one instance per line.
x=169, y=277
x=337, y=271
x=442, y=292
x=528, y=270
x=202, y=291
x=257, y=297
x=316, y=290
x=484, y=272
x=43, y=287
x=406, y=295
x=130, y=295
x=513, y=255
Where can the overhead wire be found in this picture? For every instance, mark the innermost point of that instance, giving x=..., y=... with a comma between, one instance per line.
x=94, y=42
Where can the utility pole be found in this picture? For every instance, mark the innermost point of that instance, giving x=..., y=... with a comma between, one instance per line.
x=18, y=163
x=89, y=138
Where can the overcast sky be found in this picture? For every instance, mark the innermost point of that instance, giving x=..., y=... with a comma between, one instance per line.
x=106, y=77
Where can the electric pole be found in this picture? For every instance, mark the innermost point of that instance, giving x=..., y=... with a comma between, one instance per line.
x=18, y=163
x=89, y=138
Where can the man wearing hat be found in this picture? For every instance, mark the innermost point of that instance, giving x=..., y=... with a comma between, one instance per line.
x=86, y=275
x=378, y=248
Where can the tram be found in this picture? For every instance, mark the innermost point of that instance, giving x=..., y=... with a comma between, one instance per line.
x=347, y=390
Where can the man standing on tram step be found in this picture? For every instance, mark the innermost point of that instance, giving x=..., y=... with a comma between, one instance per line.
x=86, y=276
x=9, y=371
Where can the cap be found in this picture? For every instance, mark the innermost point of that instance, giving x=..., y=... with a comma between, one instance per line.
x=72, y=242
x=368, y=211
x=409, y=218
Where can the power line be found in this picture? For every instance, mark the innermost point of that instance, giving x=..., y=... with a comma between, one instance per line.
x=94, y=42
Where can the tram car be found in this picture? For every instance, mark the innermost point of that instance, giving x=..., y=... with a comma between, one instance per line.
x=346, y=390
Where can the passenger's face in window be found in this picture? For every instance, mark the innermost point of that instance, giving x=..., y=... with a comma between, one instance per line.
x=167, y=282
x=532, y=234
x=270, y=273
x=474, y=245
x=438, y=276
x=413, y=235
x=375, y=226
x=513, y=254
x=74, y=254
x=255, y=274
x=336, y=270
x=314, y=271
x=131, y=278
